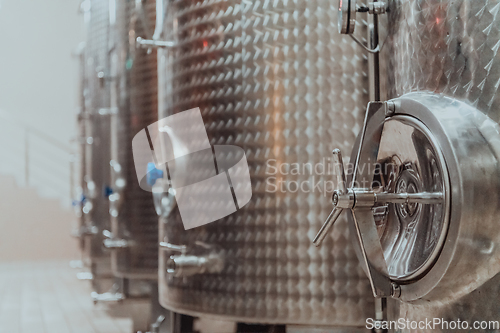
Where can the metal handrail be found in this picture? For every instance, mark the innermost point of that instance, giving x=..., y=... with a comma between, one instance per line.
x=29, y=133
x=33, y=130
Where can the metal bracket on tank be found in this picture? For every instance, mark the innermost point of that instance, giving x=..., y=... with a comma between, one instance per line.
x=347, y=20
x=154, y=41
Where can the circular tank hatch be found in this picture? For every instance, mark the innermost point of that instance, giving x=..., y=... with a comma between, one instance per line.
x=433, y=144
x=409, y=161
x=423, y=197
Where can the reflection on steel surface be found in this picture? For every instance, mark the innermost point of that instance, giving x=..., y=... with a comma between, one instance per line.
x=188, y=265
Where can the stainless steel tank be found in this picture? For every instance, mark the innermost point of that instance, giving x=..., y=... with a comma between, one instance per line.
x=78, y=167
x=423, y=195
x=120, y=96
x=450, y=48
x=134, y=227
x=277, y=80
x=95, y=138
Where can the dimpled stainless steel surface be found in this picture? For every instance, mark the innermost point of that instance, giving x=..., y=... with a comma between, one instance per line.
x=133, y=214
x=276, y=79
x=96, y=137
x=451, y=48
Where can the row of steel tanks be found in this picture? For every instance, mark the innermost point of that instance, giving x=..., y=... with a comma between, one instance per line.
x=410, y=96
x=117, y=224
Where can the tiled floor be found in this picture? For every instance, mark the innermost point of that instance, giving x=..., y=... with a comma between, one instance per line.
x=46, y=297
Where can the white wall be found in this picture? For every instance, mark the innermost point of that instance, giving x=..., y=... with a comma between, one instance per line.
x=39, y=86
x=38, y=75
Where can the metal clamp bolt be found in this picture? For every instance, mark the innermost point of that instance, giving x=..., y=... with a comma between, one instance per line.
x=395, y=290
x=390, y=108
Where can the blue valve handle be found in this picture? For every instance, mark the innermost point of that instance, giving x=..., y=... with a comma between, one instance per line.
x=107, y=191
x=153, y=174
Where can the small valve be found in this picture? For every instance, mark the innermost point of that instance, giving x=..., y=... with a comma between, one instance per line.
x=113, y=243
x=185, y=264
x=149, y=44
